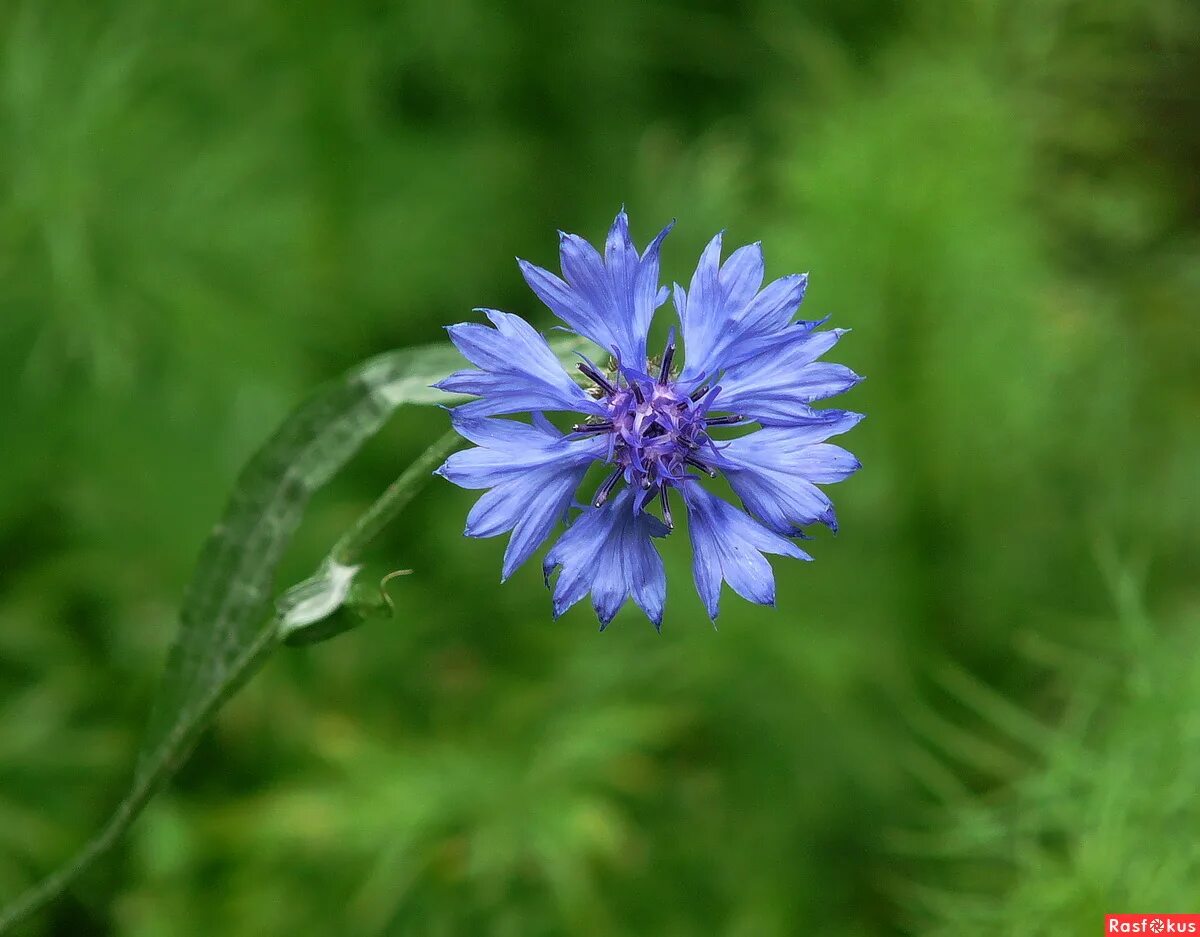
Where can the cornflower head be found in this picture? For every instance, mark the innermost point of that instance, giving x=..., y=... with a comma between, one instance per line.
x=656, y=424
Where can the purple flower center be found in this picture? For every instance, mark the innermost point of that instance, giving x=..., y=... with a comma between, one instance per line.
x=657, y=430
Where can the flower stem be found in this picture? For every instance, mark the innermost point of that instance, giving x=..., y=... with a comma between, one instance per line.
x=175, y=748
x=393, y=500
x=167, y=760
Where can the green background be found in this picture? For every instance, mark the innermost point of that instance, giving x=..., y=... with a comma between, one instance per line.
x=978, y=711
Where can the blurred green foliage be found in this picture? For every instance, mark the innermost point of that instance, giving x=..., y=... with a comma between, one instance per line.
x=977, y=713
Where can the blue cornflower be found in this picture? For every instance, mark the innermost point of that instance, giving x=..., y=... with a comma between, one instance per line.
x=652, y=423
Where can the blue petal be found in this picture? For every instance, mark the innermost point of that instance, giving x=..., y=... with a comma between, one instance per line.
x=777, y=386
x=530, y=506
x=825, y=464
x=621, y=258
x=586, y=275
x=517, y=371
x=702, y=315
x=610, y=299
x=608, y=552
x=725, y=317
x=782, y=503
x=742, y=275
x=648, y=295
x=758, y=326
x=775, y=470
x=728, y=546
x=506, y=449
x=566, y=303
x=532, y=471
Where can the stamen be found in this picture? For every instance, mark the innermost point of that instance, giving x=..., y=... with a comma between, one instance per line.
x=699, y=392
x=666, y=507
x=603, y=426
x=594, y=375
x=707, y=469
x=668, y=356
x=637, y=392
x=724, y=420
x=605, y=490
x=707, y=401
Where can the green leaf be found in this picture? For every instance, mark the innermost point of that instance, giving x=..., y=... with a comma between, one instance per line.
x=228, y=626
x=226, y=610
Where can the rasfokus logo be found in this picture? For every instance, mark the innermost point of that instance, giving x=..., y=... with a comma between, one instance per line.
x=1152, y=924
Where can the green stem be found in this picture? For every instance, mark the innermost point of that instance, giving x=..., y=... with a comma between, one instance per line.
x=167, y=760
x=177, y=745
x=392, y=501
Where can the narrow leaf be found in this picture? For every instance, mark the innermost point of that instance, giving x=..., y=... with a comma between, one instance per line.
x=228, y=604
x=228, y=626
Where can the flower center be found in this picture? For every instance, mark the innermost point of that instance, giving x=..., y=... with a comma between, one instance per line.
x=656, y=430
